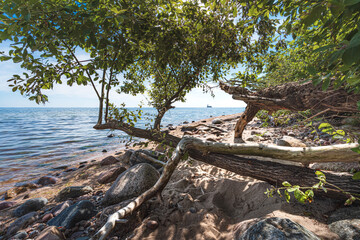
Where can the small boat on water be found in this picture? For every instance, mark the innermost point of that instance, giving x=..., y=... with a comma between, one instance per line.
x=208, y=106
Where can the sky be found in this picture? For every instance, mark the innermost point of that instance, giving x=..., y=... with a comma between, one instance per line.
x=84, y=96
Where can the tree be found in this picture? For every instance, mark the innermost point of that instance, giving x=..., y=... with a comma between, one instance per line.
x=48, y=36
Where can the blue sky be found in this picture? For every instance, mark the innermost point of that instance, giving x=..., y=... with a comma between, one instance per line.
x=84, y=96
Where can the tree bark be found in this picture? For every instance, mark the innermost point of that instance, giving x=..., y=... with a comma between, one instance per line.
x=245, y=118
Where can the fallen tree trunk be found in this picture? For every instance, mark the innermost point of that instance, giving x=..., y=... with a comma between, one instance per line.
x=291, y=96
x=334, y=153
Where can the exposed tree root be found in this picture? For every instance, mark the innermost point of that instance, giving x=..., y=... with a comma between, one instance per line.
x=292, y=96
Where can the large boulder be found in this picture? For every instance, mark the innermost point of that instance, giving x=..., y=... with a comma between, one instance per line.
x=109, y=160
x=110, y=175
x=82, y=210
x=73, y=192
x=46, y=180
x=30, y=205
x=50, y=233
x=345, y=222
x=137, y=157
x=277, y=228
x=21, y=223
x=287, y=141
x=131, y=183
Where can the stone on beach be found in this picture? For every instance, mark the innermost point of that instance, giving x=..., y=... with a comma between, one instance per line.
x=50, y=233
x=110, y=175
x=137, y=158
x=21, y=223
x=131, y=183
x=6, y=204
x=277, y=228
x=217, y=121
x=59, y=208
x=287, y=141
x=46, y=180
x=108, y=161
x=30, y=205
x=82, y=210
x=73, y=192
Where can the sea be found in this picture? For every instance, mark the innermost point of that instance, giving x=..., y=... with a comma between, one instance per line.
x=36, y=141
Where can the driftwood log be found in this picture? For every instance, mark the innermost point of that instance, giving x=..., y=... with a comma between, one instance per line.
x=272, y=172
x=291, y=96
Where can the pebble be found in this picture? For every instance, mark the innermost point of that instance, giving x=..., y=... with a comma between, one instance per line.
x=33, y=234
x=47, y=217
x=111, y=135
x=104, y=150
x=193, y=210
x=152, y=224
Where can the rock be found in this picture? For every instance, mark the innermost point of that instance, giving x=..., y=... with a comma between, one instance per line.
x=59, y=208
x=288, y=141
x=186, y=122
x=192, y=210
x=104, y=150
x=291, y=134
x=46, y=180
x=172, y=128
x=152, y=224
x=29, y=185
x=111, y=135
x=126, y=157
x=20, y=235
x=131, y=183
x=33, y=234
x=50, y=233
x=108, y=161
x=30, y=205
x=73, y=192
x=110, y=175
x=10, y=194
x=254, y=139
x=82, y=210
x=217, y=121
x=277, y=228
x=346, y=229
x=6, y=204
x=47, y=217
x=345, y=222
x=21, y=223
x=136, y=158
x=352, y=121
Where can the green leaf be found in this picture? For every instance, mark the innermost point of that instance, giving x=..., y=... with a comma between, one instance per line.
x=351, y=2
x=293, y=188
x=326, y=83
x=351, y=55
x=320, y=49
x=324, y=125
x=356, y=176
x=286, y=184
x=287, y=196
x=314, y=15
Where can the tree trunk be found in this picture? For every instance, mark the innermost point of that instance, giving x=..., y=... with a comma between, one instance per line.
x=107, y=102
x=245, y=118
x=159, y=117
x=99, y=122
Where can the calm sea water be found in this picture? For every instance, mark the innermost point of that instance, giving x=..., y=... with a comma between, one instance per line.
x=35, y=140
